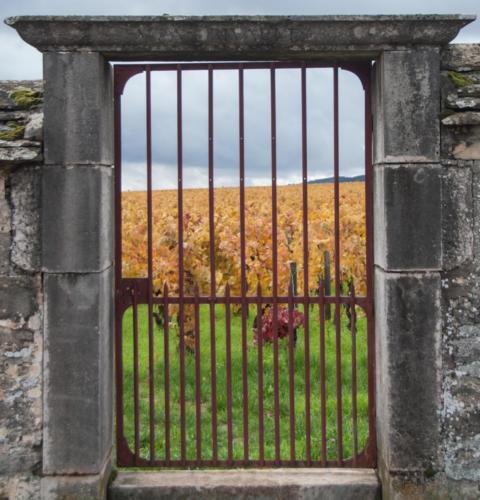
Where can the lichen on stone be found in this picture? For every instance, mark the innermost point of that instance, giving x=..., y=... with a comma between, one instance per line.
x=26, y=98
x=459, y=80
x=14, y=132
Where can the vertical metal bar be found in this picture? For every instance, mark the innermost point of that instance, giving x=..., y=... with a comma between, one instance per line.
x=306, y=286
x=166, y=375
x=369, y=267
x=353, y=329
x=276, y=397
x=291, y=371
x=211, y=210
x=181, y=312
x=136, y=406
x=118, y=184
x=118, y=269
x=323, y=374
x=261, y=440
x=338, y=346
x=243, y=277
x=198, y=378
x=228, y=347
x=150, y=266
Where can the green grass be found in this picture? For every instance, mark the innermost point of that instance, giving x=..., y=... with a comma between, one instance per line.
x=237, y=389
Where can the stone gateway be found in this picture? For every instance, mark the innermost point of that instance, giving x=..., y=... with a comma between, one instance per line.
x=57, y=253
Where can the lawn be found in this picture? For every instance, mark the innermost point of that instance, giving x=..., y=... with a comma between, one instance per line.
x=237, y=389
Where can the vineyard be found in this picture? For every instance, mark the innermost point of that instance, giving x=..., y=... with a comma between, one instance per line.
x=294, y=358
x=258, y=235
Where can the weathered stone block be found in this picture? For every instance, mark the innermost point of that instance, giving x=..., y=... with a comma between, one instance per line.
x=17, y=297
x=25, y=185
x=5, y=242
x=461, y=57
x=78, y=372
x=465, y=392
x=455, y=101
x=88, y=487
x=463, y=118
x=78, y=108
x=463, y=462
x=77, y=218
x=17, y=152
x=34, y=127
x=461, y=143
x=6, y=116
x=470, y=90
x=20, y=486
x=407, y=106
x=476, y=210
x=281, y=484
x=449, y=84
x=20, y=94
x=406, y=485
x=457, y=220
x=408, y=333
x=21, y=399
x=408, y=217
x=5, y=225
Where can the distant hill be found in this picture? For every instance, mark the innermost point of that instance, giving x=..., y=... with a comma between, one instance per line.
x=341, y=178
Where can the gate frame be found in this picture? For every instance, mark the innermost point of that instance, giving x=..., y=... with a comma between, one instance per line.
x=122, y=74
x=79, y=156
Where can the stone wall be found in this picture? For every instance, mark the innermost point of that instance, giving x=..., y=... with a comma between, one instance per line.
x=460, y=146
x=454, y=468
x=20, y=290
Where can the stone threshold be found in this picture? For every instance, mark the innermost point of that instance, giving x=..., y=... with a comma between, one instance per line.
x=236, y=484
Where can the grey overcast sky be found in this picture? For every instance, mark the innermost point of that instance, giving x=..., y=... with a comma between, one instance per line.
x=20, y=61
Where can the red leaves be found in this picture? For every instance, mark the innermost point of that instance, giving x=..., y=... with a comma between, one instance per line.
x=282, y=323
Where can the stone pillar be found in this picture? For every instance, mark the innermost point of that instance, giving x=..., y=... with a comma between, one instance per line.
x=408, y=259
x=76, y=259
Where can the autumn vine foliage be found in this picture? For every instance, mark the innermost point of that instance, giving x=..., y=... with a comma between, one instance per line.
x=283, y=323
x=258, y=237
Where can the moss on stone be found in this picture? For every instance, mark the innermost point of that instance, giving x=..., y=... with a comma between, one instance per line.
x=15, y=132
x=26, y=98
x=459, y=80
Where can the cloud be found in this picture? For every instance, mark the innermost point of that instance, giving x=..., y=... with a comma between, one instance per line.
x=258, y=144
x=19, y=61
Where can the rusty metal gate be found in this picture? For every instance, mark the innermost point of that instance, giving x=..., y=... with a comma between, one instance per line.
x=229, y=416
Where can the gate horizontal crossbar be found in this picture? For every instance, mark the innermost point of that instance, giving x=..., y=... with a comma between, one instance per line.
x=140, y=288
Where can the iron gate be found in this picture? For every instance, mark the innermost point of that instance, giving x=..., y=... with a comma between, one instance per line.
x=155, y=438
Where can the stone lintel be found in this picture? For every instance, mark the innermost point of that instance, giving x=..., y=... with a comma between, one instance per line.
x=234, y=37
